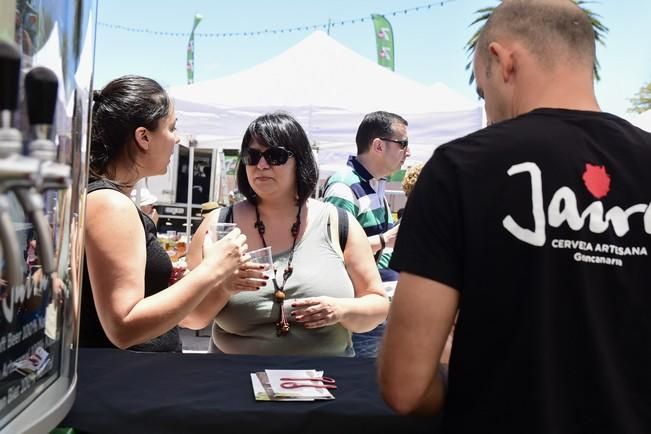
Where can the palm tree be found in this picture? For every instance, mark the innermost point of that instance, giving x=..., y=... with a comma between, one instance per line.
x=484, y=13
x=641, y=102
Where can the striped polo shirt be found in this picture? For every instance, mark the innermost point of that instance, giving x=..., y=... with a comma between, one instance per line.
x=355, y=190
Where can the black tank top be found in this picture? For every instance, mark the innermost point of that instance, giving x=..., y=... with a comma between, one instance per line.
x=158, y=270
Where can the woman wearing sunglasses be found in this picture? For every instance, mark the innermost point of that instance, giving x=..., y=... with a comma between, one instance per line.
x=312, y=298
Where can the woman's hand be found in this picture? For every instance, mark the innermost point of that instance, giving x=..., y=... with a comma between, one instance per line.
x=249, y=277
x=226, y=255
x=222, y=260
x=315, y=312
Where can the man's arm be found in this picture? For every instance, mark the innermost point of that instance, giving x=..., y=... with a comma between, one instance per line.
x=389, y=238
x=420, y=318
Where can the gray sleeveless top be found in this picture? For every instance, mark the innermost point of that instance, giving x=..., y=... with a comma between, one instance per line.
x=247, y=324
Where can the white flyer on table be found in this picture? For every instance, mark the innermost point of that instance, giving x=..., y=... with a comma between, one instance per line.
x=308, y=390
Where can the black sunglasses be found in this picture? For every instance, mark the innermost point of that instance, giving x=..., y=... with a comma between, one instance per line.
x=273, y=156
x=402, y=143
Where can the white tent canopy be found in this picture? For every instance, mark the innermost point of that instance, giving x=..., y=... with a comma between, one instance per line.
x=328, y=88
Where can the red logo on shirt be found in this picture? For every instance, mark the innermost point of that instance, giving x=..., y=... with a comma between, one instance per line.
x=596, y=180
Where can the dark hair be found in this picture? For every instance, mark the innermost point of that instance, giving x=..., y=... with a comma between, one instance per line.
x=280, y=129
x=125, y=104
x=553, y=32
x=374, y=125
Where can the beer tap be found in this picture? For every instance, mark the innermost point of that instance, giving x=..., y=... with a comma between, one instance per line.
x=53, y=178
x=9, y=138
x=18, y=172
x=41, y=86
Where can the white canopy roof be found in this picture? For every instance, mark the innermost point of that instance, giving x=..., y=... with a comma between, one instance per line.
x=328, y=88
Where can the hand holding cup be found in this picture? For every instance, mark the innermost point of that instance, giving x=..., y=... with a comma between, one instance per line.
x=252, y=275
x=227, y=254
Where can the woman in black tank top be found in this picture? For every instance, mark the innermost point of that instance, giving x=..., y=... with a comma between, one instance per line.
x=127, y=300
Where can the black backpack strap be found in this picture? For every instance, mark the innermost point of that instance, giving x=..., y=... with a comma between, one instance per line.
x=338, y=217
x=343, y=227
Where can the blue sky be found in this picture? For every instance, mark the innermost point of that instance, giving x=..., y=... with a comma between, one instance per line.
x=429, y=44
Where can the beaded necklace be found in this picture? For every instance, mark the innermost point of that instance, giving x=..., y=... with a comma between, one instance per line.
x=282, y=326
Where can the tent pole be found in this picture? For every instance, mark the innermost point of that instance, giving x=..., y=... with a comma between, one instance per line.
x=192, y=143
x=219, y=175
x=315, y=150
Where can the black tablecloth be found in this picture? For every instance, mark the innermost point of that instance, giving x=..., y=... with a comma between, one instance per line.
x=125, y=392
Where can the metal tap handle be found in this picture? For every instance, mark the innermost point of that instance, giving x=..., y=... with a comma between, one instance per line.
x=10, y=138
x=54, y=176
x=10, y=250
x=32, y=203
x=41, y=87
x=9, y=75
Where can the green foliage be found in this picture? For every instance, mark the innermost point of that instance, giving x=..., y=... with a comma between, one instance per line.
x=641, y=102
x=397, y=176
x=600, y=31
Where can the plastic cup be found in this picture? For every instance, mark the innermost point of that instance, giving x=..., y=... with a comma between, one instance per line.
x=218, y=230
x=262, y=256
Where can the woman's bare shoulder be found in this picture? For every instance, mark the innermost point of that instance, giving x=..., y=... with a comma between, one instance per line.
x=109, y=206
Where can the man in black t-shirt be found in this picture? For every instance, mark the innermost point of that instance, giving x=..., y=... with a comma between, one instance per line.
x=537, y=230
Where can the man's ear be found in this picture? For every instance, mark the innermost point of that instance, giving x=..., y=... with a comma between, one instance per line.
x=504, y=58
x=377, y=145
x=141, y=136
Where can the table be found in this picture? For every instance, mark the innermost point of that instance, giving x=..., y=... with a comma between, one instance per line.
x=126, y=392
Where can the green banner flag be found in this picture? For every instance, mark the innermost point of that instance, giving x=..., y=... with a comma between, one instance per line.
x=384, y=41
x=190, y=64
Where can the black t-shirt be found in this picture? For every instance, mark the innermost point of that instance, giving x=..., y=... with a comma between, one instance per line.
x=543, y=224
x=158, y=270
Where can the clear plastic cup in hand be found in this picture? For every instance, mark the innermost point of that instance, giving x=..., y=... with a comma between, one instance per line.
x=218, y=230
x=262, y=256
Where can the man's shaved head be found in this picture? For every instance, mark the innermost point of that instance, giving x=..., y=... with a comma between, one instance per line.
x=552, y=31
